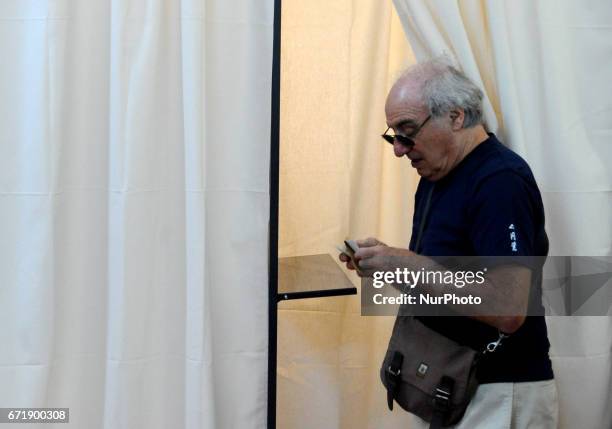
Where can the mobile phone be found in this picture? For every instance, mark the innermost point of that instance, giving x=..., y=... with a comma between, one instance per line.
x=351, y=248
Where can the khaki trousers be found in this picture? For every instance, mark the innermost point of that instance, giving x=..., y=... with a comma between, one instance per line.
x=509, y=406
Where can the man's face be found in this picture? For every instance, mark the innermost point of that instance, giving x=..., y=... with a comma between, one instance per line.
x=435, y=150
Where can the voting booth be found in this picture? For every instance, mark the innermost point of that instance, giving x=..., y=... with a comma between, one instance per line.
x=336, y=180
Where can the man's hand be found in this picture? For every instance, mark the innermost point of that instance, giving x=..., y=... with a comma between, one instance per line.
x=505, y=291
x=368, y=242
x=374, y=255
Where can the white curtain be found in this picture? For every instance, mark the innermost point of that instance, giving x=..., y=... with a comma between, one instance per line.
x=546, y=66
x=134, y=156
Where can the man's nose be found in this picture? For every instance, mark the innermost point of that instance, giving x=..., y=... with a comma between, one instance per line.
x=400, y=149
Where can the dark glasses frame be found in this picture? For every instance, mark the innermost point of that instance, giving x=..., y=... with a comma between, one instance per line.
x=407, y=141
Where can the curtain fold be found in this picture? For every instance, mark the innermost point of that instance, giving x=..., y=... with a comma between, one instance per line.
x=134, y=202
x=544, y=66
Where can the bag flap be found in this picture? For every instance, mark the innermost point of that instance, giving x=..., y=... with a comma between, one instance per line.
x=428, y=356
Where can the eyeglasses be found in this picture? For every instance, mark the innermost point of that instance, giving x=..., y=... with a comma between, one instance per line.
x=407, y=141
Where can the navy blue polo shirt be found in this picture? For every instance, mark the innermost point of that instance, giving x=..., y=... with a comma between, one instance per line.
x=490, y=205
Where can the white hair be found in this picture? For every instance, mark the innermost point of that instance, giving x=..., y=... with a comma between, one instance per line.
x=444, y=88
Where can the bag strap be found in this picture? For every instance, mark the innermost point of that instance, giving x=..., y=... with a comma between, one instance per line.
x=392, y=373
x=424, y=218
x=442, y=402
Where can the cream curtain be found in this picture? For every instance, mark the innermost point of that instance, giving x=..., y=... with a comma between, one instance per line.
x=338, y=179
x=134, y=202
x=545, y=66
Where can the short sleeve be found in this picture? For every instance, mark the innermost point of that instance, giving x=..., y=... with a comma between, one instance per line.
x=504, y=216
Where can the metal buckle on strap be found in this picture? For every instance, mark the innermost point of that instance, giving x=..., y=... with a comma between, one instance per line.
x=396, y=362
x=396, y=373
x=442, y=394
x=493, y=345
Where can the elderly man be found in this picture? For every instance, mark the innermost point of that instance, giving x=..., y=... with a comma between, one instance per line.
x=475, y=198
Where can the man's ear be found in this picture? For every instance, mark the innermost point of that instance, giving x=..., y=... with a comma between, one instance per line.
x=457, y=117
